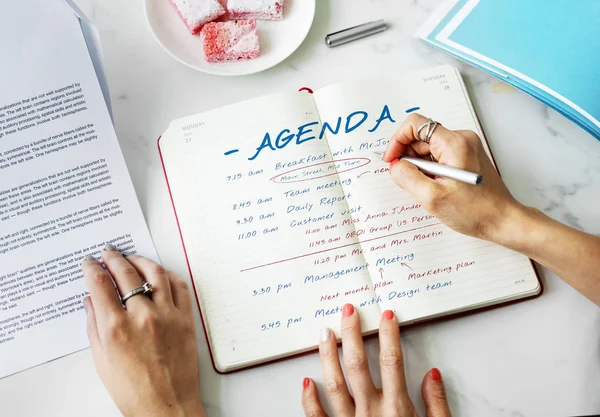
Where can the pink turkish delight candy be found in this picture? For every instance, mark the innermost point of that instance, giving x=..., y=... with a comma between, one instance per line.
x=196, y=13
x=230, y=41
x=255, y=9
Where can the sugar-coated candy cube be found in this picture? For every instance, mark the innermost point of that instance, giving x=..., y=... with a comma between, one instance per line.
x=196, y=13
x=230, y=41
x=255, y=9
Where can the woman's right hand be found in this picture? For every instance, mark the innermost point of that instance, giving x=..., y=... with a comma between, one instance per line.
x=479, y=211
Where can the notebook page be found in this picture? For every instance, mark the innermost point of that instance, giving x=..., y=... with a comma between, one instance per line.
x=419, y=267
x=266, y=228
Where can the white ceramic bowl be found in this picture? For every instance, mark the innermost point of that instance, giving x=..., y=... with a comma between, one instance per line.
x=278, y=39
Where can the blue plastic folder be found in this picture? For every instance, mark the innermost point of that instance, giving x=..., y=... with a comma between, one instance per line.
x=548, y=48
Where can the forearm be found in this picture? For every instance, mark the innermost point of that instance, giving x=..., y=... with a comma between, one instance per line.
x=571, y=254
x=195, y=409
x=191, y=408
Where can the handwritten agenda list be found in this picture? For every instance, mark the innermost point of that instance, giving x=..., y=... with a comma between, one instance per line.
x=350, y=227
x=288, y=214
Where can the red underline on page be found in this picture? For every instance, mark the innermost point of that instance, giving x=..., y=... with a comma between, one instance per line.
x=338, y=247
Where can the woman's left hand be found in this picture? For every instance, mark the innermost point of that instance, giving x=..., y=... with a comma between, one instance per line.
x=146, y=354
x=392, y=399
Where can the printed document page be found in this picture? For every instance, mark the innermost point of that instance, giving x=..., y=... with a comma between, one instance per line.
x=64, y=187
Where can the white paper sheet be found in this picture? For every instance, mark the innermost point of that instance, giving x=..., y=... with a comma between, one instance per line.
x=92, y=38
x=64, y=186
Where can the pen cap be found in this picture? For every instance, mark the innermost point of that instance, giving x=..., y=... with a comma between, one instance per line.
x=354, y=33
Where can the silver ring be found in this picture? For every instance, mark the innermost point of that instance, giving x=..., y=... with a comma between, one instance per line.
x=431, y=125
x=144, y=290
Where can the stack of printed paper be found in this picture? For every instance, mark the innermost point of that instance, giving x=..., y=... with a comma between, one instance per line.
x=64, y=187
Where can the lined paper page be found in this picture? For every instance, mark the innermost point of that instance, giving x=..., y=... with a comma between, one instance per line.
x=266, y=227
x=419, y=267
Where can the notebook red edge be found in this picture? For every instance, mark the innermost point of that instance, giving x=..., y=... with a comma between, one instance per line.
x=419, y=322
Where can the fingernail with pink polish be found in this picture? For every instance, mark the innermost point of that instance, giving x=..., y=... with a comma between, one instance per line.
x=347, y=310
x=305, y=383
x=387, y=315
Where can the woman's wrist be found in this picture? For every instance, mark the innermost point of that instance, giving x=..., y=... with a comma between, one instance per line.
x=194, y=409
x=513, y=228
x=191, y=410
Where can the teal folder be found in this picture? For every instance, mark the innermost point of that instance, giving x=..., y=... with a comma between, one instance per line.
x=549, y=49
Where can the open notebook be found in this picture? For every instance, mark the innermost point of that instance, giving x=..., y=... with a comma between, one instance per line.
x=286, y=214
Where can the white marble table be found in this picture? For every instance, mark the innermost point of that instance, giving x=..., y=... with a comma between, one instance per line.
x=537, y=358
